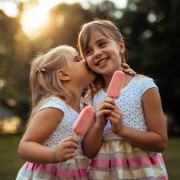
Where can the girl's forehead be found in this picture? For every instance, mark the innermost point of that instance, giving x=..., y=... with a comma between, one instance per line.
x=97, y=31
x=101, y=34
x=89, y=33
x=96, y=37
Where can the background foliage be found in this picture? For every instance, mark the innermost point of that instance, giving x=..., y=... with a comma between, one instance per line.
x=151, y=30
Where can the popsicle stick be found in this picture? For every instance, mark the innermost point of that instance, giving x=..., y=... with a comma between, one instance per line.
x=77, y=136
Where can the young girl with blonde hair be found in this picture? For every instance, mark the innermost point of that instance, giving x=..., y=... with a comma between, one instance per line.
x=129, y=134
x=57, y=80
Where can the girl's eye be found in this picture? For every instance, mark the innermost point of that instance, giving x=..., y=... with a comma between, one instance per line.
x=78, y=60
x=88, y=52
x=101, y=44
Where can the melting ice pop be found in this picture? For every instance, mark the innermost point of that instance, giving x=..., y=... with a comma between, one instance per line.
x=83, y=121
x=115, y=85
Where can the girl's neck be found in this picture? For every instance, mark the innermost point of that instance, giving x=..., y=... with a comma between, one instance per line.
x=127, y=79
x=75, y=104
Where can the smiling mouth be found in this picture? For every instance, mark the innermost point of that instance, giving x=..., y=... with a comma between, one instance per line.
x=102, y=61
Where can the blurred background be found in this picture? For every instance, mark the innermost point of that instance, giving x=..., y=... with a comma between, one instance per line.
x=152, y=35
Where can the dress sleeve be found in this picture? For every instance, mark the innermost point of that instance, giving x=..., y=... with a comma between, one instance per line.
x=54, y=103
x=146, y=84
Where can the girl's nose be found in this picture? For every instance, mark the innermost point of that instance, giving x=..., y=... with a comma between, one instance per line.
x=97, y=53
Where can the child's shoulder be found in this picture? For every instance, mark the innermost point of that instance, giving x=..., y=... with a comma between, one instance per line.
x=54, y=102
x=143, y=83
x=143, y=78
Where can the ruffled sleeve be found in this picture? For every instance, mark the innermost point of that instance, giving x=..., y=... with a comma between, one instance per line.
x=147, y=83
x=54, y=103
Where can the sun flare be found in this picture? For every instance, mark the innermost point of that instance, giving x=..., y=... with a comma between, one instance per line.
x=33, y=20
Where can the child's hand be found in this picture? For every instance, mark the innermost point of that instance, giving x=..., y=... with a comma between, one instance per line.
x=115, y=117
x=127, y=69
x=103, y=109
x=66, y=149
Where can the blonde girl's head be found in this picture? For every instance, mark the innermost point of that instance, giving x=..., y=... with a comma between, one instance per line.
x=106, y=28
x=44, y=81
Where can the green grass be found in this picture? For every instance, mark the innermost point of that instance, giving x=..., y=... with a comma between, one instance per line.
x=172, y=158
x=11, y=162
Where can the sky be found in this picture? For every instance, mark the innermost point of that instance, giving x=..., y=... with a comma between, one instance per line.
x=9, y=6
x=31, y=20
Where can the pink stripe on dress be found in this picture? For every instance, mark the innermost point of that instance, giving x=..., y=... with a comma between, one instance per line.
x=65, y=173
x=162, y=178
x=124, y=162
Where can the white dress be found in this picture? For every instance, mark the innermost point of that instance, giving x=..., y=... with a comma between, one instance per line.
x=71, y=169
x=117, y=158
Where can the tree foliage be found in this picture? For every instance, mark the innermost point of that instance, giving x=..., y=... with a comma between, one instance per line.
x=151, y=30
x=154, y=35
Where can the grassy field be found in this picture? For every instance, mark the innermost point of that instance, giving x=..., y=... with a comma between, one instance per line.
x=11, y=163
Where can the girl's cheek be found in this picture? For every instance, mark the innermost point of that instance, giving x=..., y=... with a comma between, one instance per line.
x=88, y=62
x=90, y=65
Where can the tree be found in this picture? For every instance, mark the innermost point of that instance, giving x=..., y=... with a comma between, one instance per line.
x=153, y=29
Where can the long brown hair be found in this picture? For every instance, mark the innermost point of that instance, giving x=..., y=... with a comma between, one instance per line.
x=109, y=30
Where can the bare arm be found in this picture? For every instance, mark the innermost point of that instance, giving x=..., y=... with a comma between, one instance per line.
x=156, y=137
x=93, y=138
x=40, y=127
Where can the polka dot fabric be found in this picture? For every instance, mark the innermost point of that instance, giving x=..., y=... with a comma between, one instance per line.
x=74, y=168
x=64, y=129
x=130, y=104
x=117, y=158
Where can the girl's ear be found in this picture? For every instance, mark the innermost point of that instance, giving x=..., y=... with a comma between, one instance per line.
x=122, y=47
x=62, y=75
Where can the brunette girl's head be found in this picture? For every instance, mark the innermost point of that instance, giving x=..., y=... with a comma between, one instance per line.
x=107, y=29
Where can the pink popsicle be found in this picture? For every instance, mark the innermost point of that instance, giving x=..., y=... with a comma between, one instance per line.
x=115, y=85
x=83, y=121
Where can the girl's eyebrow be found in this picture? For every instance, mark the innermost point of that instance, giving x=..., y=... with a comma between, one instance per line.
x=97, y=41
x=102, y=39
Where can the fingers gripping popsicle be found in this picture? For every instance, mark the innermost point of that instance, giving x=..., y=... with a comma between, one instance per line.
x=116, y=84
x=83, y=121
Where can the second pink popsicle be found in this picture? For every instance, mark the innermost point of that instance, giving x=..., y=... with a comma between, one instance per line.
x=83, y=121
x=116, y=84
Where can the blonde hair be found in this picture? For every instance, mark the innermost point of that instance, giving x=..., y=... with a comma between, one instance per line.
x=45, y=83
x=109, y=30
